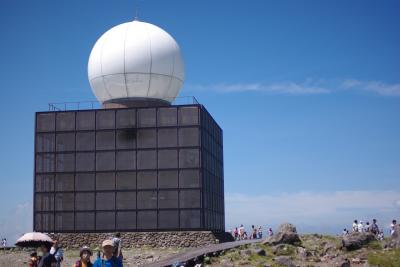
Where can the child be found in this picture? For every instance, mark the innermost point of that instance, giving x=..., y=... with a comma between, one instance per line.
x=84, y=260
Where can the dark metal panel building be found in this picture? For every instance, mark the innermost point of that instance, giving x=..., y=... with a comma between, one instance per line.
x=128, y=169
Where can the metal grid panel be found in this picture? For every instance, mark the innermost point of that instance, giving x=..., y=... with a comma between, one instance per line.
x=126, y=220
x=44, y=222
x=168, y=219
x=45, y=162
x=119, y=155
x=189, y=136
x=188, y=115
x=126, y=180
x=126, y=139
x=146, y=159
x=85, y=141
x=147, y=199
x=190, y=219
x=147, y=180
x=45, y=122
x=64, y=221
x=147, y=117
x=65, y=162
x=64, y=182
x=147, y=220
x=65, y=121
x=126, y=200
x=64, y=202
x=126, y=118
x=105, y=140
x=189, y=179
x=85, y=120
x=126, y=160
x=189, y=158
x=45, y=142
x=105, y=161
x=105, y=220
x=44, y=183
x=105, y=119
x=44, y=202
x=168, y=179
x=167, y=137
x=105, y=181
x=189, y=199
x=84, y=221
x=105, y=201
x=168, y=159
x=167, y=199
x=84, y=181
x=146, y=138
x=85, y=161
x=84, y=201
x=167, y=116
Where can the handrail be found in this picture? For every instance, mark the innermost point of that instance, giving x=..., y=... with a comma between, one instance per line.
x=88, y=105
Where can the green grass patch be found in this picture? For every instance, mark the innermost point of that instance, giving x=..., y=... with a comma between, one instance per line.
x=376, y=245
x=389, y=258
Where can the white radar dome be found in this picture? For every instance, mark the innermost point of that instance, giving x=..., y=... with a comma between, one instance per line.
x=135, y=61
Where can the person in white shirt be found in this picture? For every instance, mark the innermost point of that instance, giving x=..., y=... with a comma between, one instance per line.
x=360, y=227
x=367, y=227
x=393, y=227
x=345, y=232
x=241, y=232
x=355, y=226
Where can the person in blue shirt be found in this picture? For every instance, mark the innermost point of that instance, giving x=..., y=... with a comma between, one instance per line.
x=108, y=260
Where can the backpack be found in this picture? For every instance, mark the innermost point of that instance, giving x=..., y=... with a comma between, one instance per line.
x=78, y=263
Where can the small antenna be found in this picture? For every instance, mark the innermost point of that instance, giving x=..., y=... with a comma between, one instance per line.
x=136, y=9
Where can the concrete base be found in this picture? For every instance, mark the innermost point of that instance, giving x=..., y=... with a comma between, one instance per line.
x=139, y=239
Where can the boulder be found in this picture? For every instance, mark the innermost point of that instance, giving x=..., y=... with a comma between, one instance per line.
x=287, y=234
x=357, y=240
x=345, y=263
x=260, y=252
x=302, y=252
x=284, y=261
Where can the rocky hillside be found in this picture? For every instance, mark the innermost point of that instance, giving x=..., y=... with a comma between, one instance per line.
x=287, y=248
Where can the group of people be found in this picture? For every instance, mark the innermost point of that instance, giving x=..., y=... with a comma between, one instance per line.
x=4, y=242
x=240, y=233
x=359, y=226
x=52, y=256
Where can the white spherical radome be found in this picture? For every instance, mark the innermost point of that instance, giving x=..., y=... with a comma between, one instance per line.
x=135, y=60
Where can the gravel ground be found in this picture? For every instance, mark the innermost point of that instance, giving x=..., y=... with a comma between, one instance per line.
x=132, y=257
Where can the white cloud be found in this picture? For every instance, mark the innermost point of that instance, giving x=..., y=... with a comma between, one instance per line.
x=16, y=222
x=309, y=87
x=378, y=87
x=290, y=88
x=312, y=211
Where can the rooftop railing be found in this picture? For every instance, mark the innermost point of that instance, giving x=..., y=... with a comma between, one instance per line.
x=87, y=105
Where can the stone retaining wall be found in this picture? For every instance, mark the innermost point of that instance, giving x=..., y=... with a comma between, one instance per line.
x=139, y=239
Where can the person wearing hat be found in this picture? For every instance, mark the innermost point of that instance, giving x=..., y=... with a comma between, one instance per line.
x=33, y=261
x=84, y=260
x=108, y=260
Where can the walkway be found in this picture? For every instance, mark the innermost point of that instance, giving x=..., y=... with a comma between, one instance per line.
x=198, y=252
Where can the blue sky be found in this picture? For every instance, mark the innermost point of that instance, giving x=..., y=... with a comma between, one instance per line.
x=307, y=93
